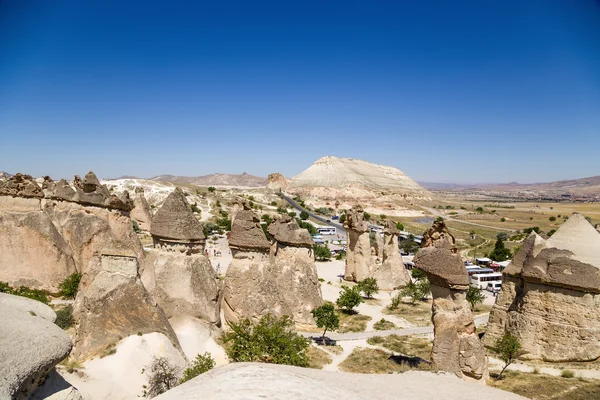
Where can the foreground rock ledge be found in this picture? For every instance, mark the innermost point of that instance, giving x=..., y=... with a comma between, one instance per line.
x=267, y=381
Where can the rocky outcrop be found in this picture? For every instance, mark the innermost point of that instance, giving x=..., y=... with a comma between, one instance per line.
x=277, y=182
x=280, y=279
x=175, y=228
x=183, y=285
x=358, y=255
x=254, y=381
x=246, y=233
x=439, y=236
x=550, y=296
x=20, y=185
x=456, y=346
x=115, y=304
x=141, y=210
x=391, y=273
x=30, y=345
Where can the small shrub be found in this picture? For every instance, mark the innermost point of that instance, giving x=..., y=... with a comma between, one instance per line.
x=536, y=371
x=162, y=376
x=212, y=189
x=109, y=350
x=567, y=373
x=24, y=291
x=68, y=287
x=200, y=365
x=502, y=219
x=322, y=253
x=64, y=317
x=136, y=226
x=475, y=296
x=304, y=215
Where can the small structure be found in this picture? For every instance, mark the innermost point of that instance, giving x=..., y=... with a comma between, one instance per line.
x=175, y=228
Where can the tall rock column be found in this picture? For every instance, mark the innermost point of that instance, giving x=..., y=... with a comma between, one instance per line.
x=358, y=255
x=456, y=346
x=391, y=274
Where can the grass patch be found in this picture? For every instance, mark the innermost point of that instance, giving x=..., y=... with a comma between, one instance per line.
x=317, y=358
x=71, y=365
x=407, y=345
x=109, y=350
x=337, y=349
x=376, y=361
x=545, y=387
x=352, y=322
x=418, y=315
x=383, y=325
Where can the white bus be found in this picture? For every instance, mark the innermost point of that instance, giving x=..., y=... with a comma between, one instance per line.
x=328, y=230
x=473, y=270
x=481, y=280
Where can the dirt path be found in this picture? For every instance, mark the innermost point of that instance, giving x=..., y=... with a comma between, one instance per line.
x=494, y=363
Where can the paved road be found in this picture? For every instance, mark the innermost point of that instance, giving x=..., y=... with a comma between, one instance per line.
x=439, y=214
x=483, y=319
x=338, y=226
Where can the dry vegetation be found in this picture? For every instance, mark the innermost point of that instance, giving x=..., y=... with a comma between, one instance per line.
x=317, y=358
x=411, y=346
x=383, y=325
x=377, y=361
x=418, y=314
x=352, y=322
x=545, y=387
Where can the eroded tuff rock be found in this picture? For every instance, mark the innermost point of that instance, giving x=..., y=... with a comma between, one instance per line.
x=439, y=236
x=391, y=273
x=277, y=182
x=115, y=304
x=550, y=296
x=358, y=254
x=254, y=381
x=30, y=345
x=280, y=279
x=286, y=231
x=183, y=285
x=20, y=185
x=141, y=210
x=175, y=228
x=247, y=234
x=456, y=346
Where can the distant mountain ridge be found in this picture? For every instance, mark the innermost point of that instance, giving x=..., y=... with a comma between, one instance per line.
x=243, y=180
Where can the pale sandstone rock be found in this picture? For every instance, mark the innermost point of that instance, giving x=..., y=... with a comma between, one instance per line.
x=115, y=305
x=30, y=346
x=247, y=234
x=254, y=381
x=20, y=185
x=438, y=235
x=391, y=273
x=550, y=296
x=286, y=231
x=358, y=255
x=141, y=210
x=277, y=182
x=183, y=285
x=26, y=305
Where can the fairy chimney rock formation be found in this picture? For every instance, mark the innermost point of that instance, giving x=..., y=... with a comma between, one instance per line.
x=175, y=228
x=278, y=278
x=141, y=210
x=550, y=296
x=358, y=255
x=247, y=234
x=391, y=273
x=456, y=346
x=439, y=236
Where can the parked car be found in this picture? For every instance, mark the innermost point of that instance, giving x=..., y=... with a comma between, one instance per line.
x=494, y=287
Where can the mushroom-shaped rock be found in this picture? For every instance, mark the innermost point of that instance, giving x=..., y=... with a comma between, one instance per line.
x=30, y=346
x=443, y=268
x=247, y=233
x=355, y=220
x=286, y=231
x=175, y=223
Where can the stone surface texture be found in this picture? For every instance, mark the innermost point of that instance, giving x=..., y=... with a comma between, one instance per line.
x=391, y=273
x=277, y=182
x=30, y=346
x=550, y=296
x=253, y=381
x=358, y=255
x=141, y=212
x=246, y=233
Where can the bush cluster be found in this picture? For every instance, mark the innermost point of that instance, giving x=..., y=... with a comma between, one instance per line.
x=24, y=291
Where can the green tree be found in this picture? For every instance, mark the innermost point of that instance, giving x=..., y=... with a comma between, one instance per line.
x=224, y=223
x=418, y=274
x=440, y=219
x=399, y=226
x=500, y=253
x=479, y=209
x=502, y=235
x=475, y=296
x=367, y=216
x=322, y=253
x=212, y=189
x=267, y=219
x=326, y=318
x=368, y=286
x=304, y=215
x=271, y=340
x=64, y=317
x=342, y=218
x=307, y=225
x=415, y=291
x=409, y=245
x=552, y=219
x=195, y=208
x=550, y=233
x=349, y=298
x=200, y=365
x=382, y=217
x=68, y=287
x=136, y=226
x=508, y=349
x=162, y=376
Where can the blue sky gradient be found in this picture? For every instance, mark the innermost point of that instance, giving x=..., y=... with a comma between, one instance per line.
x=447, y=91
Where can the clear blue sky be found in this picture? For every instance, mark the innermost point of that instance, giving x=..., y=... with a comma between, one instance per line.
x=447, y=91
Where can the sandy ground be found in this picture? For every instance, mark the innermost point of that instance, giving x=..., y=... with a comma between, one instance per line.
x=219, y=262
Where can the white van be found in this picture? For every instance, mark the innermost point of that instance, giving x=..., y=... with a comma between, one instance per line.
x=481, y=280
x=494, y=287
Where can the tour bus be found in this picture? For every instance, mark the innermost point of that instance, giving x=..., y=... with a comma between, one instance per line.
x=481, y=280
x=328, y=230
x=472, y=270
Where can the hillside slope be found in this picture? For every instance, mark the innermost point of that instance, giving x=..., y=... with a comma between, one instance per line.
x=242, y=180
